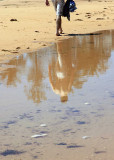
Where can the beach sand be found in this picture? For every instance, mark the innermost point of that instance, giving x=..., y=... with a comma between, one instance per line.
x=26, y=25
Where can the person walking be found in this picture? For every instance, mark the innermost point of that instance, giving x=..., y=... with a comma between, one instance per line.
x=58, y=5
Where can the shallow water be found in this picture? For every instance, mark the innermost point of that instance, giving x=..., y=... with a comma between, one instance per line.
x=65, y=95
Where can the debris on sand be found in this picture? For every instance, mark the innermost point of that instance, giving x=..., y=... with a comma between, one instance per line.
x=85, y=137
x=12, y=20
x=38, y=135
x=11, y=152
x=87, y=103
x=74, y=146
x=43, y=125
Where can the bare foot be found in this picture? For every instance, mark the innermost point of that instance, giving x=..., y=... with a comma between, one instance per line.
x=57, y=34
x=60, y=31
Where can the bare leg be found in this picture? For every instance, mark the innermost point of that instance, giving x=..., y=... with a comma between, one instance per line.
x=60, y=29
x=58, y=25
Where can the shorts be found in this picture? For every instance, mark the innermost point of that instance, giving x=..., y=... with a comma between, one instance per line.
x=58, y=5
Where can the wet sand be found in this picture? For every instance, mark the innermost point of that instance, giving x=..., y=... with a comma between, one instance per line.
x=65, y=96
x=28, y=25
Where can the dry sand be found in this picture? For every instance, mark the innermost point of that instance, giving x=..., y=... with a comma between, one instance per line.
x=34, y=24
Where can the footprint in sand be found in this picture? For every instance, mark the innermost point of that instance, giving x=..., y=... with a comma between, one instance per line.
x=104, y=15
x=37, y=31
x=88, y=15
x=99, y=18
x=18, y=48
x=5, y=50
x=78, y=20
x=12, y=20
x=43, y=44
x=14, y=52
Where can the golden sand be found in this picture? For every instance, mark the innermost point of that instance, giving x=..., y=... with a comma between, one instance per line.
x=28, y=25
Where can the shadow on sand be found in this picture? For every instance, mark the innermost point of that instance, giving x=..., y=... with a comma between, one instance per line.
x=87, y=34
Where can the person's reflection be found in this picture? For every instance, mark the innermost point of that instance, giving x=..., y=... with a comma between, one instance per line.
x=78, y=59
x=61, y=73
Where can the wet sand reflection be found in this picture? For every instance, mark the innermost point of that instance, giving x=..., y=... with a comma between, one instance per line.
x=77, y=59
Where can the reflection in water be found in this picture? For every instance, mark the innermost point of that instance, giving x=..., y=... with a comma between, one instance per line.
x=82, y=127
x=68, y=64
x=25, y=68
x=35, y=76
x=78, y=58
x=10, y=74
x=62, y=70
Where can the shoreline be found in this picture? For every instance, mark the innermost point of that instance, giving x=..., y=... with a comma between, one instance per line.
x=27, y=26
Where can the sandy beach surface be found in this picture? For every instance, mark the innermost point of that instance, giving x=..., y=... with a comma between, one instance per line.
x=27, y=25
x=46, y=117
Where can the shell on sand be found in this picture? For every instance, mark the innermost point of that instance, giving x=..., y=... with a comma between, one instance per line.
x=38, y=135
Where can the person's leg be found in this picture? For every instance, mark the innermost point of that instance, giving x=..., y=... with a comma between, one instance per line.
x=58, y=25
x=59, y=12
x=60, y=29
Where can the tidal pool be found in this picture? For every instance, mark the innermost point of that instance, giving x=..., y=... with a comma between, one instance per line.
x=58, y=103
